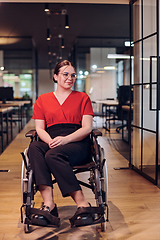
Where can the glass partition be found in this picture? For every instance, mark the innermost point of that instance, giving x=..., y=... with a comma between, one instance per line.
x=19, y=66
x=145, y=125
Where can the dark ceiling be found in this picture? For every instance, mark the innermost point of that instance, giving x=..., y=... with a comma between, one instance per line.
x=91, y=25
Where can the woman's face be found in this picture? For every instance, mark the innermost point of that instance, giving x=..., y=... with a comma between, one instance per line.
x=66, y=77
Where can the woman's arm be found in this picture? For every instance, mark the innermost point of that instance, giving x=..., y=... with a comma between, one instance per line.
x=78, y=135
x=40, y=128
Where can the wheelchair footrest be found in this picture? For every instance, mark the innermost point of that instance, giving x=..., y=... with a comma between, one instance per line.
x=48, y=218
x=39, y=222
x=87, y=216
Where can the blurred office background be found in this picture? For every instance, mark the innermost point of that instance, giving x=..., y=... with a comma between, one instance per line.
x=111, y=44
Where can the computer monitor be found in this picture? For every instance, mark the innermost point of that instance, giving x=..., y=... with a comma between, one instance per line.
x=6, y=94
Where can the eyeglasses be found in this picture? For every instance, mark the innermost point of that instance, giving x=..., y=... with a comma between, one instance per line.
x=66, y=75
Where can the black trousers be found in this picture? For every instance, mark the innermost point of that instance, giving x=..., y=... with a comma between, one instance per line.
x=60, y=160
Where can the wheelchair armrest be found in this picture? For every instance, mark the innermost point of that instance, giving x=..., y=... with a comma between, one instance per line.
x=32, y=134
x=96, y=133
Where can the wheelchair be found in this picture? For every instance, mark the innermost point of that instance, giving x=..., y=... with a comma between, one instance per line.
x=97, y=182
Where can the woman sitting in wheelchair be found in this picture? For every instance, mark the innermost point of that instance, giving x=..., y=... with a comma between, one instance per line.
x=63, y=121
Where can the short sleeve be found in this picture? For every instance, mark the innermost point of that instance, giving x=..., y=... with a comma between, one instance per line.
x=87, y=106
x=38, y=112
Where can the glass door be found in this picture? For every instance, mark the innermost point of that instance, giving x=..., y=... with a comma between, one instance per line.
x=145, y=125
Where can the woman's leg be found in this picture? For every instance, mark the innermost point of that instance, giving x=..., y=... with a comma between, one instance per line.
x=60, y=161
x=79, y=198
x=62, y=171
x=47, y=195
x=42, y=174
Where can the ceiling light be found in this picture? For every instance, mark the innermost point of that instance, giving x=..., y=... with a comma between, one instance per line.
x=2, y=68
x=86, y=73
x=9, y=40
x=80, y=72
x=148, y=59
x=94, y=66
x=12, y=78
x=46, y=7
x=66, y=21
x=109, y=68
x=100, y=72
x=48, y=34
x=118, y=56
x=81, y=76
x=128, y=44
x=62, y=43
x=49, y=50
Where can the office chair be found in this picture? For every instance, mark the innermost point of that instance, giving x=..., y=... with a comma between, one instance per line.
x=112, y=112
x=97, y=112
x=124, y=94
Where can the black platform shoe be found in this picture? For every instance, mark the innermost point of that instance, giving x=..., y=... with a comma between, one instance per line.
x=46, y=217
x=87, y=216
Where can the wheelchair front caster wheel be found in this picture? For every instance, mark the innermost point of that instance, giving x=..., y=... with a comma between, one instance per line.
x=26, y=228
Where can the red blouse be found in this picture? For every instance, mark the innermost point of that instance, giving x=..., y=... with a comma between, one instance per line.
x=48, y=108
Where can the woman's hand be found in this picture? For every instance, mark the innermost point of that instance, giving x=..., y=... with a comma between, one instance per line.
x=78, y=135
x=57, y=141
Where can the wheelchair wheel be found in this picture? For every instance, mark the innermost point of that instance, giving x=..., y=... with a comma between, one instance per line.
x=30, y=190
x=29, y=200
x=104, y=178
x=104, y=187
x=24, y=179
x=99, y=200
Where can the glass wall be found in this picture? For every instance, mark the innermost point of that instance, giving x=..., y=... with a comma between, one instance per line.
x=101, y=64
x=19, y=67
x=103, y=72
x=22, y=84
x=145, y=109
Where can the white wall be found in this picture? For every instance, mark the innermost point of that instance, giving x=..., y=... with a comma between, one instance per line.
x=45, y=84
x=104, y=84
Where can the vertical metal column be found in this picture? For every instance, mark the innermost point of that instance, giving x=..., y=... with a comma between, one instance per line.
x=158, y=92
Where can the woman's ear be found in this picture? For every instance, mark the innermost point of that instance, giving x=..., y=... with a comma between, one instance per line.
x=55, y=77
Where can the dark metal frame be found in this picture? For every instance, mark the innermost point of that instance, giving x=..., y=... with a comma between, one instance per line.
x=140, y=171
x=152, y=83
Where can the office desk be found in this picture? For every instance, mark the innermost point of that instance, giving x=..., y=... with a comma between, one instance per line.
x=4, y=112
x=107, y=104
x=17, y=105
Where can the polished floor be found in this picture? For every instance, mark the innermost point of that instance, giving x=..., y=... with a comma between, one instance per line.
x=134, y=202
